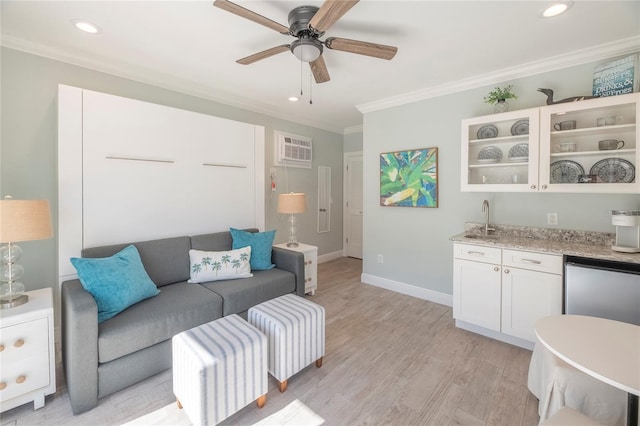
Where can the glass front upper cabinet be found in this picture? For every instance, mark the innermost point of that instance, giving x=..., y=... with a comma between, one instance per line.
x=590, y=146
x=500, y=152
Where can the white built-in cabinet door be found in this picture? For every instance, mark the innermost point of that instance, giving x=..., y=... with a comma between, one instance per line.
x=221, y=173
x=132, y=152
x=152, y=172
x=476, y=293
x=528, y=296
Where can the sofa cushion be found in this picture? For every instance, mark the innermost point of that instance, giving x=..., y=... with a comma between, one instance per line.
x=219, y=265
x=216, y=241
x=178, y=307
x=240, y=295
x=260, y=243
x=166, y=260
x=115, y=282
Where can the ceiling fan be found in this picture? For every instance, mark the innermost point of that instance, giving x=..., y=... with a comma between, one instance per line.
x=307, y=24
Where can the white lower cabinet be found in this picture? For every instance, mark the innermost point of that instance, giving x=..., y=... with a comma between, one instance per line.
x=476, y=291
x=505, y=291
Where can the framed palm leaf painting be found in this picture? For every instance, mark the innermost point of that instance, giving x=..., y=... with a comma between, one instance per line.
x=409, y=178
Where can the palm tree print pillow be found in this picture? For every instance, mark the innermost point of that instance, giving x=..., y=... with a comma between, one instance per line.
x=220, y=265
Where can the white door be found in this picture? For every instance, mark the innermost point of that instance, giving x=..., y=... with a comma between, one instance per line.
x=353, y=205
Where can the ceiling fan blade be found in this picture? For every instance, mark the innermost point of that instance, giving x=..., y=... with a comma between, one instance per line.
x=319, y=70
x=263, y=55
x=329, y=13
x=361, y=47
x=250, y=15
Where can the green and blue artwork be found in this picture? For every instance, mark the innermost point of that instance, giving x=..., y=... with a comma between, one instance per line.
x=409, y=178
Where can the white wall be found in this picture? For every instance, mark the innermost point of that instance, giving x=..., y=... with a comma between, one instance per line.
x=415, y=242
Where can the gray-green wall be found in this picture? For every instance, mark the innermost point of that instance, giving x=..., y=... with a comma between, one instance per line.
x=353, y=142
x=415, y=242
x=29, y=85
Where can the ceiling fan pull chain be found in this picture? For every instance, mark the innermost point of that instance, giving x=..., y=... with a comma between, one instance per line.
x=310, y=90
x=301, y=77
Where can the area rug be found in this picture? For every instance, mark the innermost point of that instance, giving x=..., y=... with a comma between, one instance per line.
x=294, y=414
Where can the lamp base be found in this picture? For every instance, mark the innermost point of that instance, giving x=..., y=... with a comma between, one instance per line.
x=292, y=244
x=20, y=300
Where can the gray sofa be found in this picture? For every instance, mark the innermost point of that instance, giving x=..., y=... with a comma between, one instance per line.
x=100, y=359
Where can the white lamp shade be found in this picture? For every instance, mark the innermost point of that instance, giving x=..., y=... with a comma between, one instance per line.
x=24, y=220
x=291, y=203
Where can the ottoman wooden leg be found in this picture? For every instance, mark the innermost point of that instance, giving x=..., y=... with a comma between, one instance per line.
x=261, y=401
x=319, y=362
x=283, y=385
x=179, y=405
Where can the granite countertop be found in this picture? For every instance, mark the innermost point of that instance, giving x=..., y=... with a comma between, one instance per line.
x=595, y=245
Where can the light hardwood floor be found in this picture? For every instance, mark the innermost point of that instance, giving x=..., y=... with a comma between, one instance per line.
x=390, y=359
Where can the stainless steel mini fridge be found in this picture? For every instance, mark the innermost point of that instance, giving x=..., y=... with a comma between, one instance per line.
x=603, y=289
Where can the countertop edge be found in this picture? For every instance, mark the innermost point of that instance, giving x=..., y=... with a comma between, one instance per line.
x=551, y=247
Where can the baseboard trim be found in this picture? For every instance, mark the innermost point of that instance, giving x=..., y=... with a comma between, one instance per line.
x=330, y=256
x=516, y=341
x=408, y=289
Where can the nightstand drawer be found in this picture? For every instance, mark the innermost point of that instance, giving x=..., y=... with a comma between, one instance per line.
x=24, y=375
x=24, y=340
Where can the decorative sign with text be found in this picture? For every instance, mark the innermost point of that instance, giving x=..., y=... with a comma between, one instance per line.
x=616, y=77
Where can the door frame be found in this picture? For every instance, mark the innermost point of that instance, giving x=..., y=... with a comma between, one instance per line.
x=345, y=192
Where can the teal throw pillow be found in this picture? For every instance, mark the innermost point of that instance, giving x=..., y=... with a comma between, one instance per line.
x=260, y=243
x=115, y=282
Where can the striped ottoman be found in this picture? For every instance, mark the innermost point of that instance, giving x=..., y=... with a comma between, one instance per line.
x=295, y=329
x=219, y=368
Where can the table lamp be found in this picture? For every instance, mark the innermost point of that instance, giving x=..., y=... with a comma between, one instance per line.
x=20, y=220
x=291, y=203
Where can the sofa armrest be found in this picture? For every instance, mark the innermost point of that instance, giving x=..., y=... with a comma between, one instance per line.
x=292, y=261
x=80, y=345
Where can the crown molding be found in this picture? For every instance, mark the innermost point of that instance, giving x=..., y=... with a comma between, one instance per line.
x=353, y=129
x=154, y=78
x=592, y=54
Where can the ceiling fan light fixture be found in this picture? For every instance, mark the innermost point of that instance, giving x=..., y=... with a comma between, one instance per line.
x=306, y=49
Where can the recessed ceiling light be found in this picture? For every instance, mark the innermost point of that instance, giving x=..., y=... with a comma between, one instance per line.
x=86, y=26
x=294, y=99
x=556, y=9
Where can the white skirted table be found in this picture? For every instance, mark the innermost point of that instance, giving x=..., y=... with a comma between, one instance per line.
x=604, y=349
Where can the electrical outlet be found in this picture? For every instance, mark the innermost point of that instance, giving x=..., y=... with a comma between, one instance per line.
x=552, y=218
x=380, y=259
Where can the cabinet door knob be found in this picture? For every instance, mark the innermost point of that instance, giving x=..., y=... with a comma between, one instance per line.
x=533, y=187
x=506, y=271
x=21, y=379
x=3, y=386
x=495, y=268
x=544, y=186
x=19, y=343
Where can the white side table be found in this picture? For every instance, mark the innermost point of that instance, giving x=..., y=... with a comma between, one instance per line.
x=27, y=352
x=310, y=265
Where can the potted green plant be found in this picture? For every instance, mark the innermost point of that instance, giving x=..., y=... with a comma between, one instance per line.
x=498, y=98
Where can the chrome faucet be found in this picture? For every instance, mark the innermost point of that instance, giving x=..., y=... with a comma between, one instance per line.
x=485, y=209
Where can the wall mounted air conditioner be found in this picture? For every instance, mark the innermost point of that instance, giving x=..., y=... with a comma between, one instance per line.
x=292, y=150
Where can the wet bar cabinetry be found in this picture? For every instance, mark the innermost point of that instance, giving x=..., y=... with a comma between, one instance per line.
x=499, y=155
